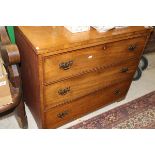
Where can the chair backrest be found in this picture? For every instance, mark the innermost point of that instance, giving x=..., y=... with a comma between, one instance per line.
x=4, y=38
x=11, y=58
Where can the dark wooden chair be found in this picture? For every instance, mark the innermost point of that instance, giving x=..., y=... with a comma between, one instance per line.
x=11, y=58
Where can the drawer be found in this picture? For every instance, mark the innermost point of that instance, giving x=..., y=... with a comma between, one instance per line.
x=62, y=66
x=62, y=114
x=84, y=84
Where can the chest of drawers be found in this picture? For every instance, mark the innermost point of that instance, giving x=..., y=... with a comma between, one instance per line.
x=66, y=76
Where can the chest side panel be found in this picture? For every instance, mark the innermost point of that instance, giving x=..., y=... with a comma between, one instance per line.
x=30, y=76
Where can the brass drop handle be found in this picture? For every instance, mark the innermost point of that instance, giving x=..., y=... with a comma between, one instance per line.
x=62, y=114
x=132, y=47
x=64, y=91
x=124, y=69
x=66, y=65
x=117, y=92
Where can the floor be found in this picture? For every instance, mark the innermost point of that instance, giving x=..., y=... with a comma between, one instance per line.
x=138, y=88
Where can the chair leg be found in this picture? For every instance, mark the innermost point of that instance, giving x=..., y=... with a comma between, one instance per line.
x=21, y=115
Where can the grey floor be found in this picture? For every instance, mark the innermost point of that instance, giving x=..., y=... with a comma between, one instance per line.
x=139, y=88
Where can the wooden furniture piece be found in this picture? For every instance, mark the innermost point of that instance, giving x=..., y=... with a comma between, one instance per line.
x=66, y=76
x=150, y=47
x=11, y=58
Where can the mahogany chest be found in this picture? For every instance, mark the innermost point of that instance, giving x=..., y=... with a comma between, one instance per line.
x=66, y=76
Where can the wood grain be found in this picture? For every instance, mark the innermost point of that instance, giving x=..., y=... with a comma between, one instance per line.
x=65, y=113
x=30, y=77
x=87, y=59
x=95, y=62
x=55, y=39
x=87, y=83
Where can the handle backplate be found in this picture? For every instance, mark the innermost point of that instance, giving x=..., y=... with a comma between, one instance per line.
x=124, y=69
x=117, y=92
x=64, y=91
x=62, y=114
x=66, y=65
x=132, y=47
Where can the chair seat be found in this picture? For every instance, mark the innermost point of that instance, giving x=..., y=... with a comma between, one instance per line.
x=15, y=99
x=5, y=91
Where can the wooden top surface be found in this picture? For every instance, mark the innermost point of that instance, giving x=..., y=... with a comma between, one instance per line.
x=46, y=39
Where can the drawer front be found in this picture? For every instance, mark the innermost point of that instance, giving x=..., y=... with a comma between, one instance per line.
x=66, y=65
x=65, y=113
x=79, y=86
